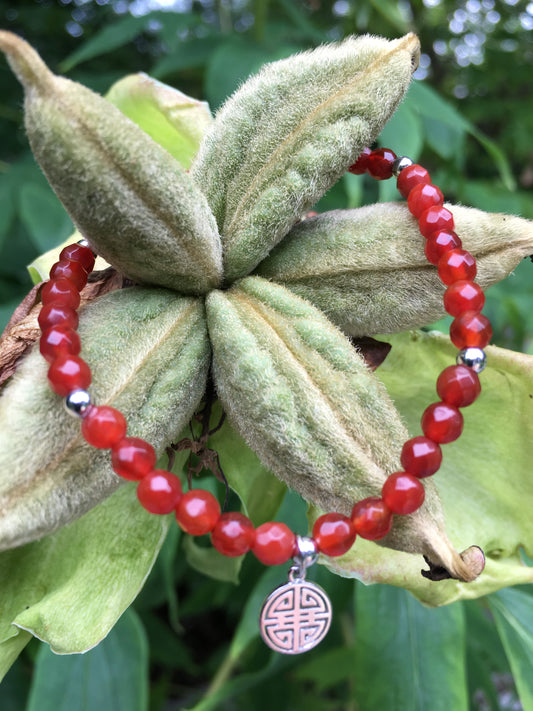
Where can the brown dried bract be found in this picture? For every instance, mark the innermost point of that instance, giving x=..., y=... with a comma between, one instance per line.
x=372, y=351
x=23, y=330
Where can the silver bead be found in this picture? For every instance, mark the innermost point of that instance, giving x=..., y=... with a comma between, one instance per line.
x=474, y=358
x=399, y=164
x=83, y=242
x=307, y=551
x=77, y=403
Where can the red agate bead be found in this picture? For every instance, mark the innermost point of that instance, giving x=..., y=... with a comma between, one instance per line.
x=68, y=373
x=360, y=165
x=457, y=265
x=372, y=518
x=132, y=458
x=233, y=534
x=103, y=426
x=410, y=177
x=274, y=543
x=51, y=315
x=442, y=423
x=60, y=292
x=403, y=493
x=440, y=242
x=59, y=340
x=422, y=197
x=470, y=330
x=435, y=218
x=463, y=296
x=379, y=163
x=159, y=492
x=334, y=534
x=421, y=457
x=79, y=253
x=68, y=269
x=197, y=512
x=458, y=385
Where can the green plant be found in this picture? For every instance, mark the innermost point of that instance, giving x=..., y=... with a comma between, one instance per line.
x=162, y=228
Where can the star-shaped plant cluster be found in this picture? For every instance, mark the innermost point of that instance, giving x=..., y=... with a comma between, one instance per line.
x=234, y=290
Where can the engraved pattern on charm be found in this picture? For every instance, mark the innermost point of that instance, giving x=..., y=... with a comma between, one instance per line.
x=295, y=617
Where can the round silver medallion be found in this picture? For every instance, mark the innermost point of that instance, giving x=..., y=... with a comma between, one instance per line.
x=295, y=617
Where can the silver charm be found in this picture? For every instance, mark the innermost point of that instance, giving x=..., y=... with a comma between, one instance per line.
x=296, y=616
x=78, y=403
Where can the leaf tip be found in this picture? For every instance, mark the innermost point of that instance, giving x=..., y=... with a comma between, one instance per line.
x=26, y=64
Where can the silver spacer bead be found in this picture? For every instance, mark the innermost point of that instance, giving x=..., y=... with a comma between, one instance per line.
x=83, y=242
x=399, y=164
x=77, y=403
x=474, y=358
x=307, y=551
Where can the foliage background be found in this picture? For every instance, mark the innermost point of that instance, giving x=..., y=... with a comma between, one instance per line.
x=187, y=643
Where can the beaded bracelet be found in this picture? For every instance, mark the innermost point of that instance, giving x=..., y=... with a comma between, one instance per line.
x=297, y=615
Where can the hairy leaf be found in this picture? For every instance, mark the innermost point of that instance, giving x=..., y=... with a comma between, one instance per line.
x=149, y=355
x=290, y=132
x=174, y=120
x=367, y=271
x=299, y=394
x=125, y=193
x=483, y=503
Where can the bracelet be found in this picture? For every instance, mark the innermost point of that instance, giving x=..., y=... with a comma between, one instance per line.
x=297, y=615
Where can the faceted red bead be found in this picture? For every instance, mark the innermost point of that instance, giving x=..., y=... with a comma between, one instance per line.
x=68, y=269
x=79, y=253
x=159, y=492
x=440, y=242
x=132, y=458
x=379, y=163
x=59, y=340
x=360, y=165
x=403, y=493
x=435, y=218
x=463, y=296
x=233, y=534
x=334, y=534
x=457, y=265
x=51, y=315
x=422, y=197
x=421, y=457
x=372, y=518
x=197, y=512
x=410, y=177
x=458, y=385
x=68, y=373
x=60, y=292
x=471, y=330
x=442, y=422
x=274, y=543
x=103, y=426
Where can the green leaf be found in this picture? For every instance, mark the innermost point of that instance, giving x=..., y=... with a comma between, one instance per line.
x=289, y=133
x=44, y=217
x=513, y=614
x=260, y=492
x=7, y=209
x=11, y=647
x=69, y=588
x=480, y=506
x=157, y=386
x=187, y=54
x=122, y=32
x=408, y=656
x=403, y=132
x=367, y=271
x=174, y=120
x=445, y=128
x=112, y=676
x=209, y=561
